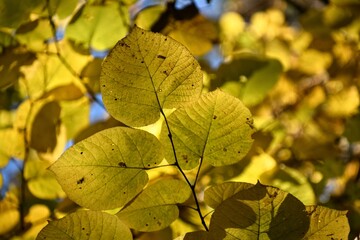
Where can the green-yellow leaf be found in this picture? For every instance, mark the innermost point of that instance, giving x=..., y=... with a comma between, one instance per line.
x=147, y=71
x=98, y=27
x=155, y=208
x=41, y=182
x=34, y=34
x=260, y=212
x=327, y=223
x=106, y=170
x=216, y=128
x=12, y=144
x=198, y=235
x=83, y=225
x=250, y=78
x=9, y=213
x=15, y=12
x=219, y=193
x=75, y=111
x=10, y=64
x=43, y=125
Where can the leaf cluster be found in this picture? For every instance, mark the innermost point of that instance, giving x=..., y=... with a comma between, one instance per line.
x=244, y=141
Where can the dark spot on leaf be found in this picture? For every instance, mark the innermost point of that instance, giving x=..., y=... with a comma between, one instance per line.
x=81, y=180
x=103, y=85
x=81, y=152
x=122, y=164
x=112, y=149
x=225, y=149
x=166, y=73
x=142, y=61
x=154, y=218
x=80, y=187
x=185, y=158
x=154, y=162
x=239, y=151
x=142, y=32
x=250, y=122
x=148, y=165
x=161, y=56
x=124, y=45
x=146, y=224
x=159, y=223
x=165, y=39
x=215, y=117
x=193, y=85
x=83, y=228
x=115, y=99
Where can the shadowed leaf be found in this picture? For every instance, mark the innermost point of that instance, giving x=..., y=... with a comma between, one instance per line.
x=107, y=169
x=145, y=72
x=219, y=193
x=259, y=212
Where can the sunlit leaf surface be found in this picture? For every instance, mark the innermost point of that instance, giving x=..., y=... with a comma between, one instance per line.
x=83, y=225
x=216, y=128
x=106, y=170
x=327, y=222
x=98, y=27
x=145, y=72
x=155, y=208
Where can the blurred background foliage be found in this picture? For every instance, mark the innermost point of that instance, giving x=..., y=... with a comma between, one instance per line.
x=294, y=63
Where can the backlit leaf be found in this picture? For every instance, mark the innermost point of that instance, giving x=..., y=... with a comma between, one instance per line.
x=196, y=34
x=75, y=111
x=250, y=78
x=145, y=72
x=41, y=182
x=34, y=34
x=49, y=72
x=98, y=26
x=216, y=128
x=10, y=64
x=107, y=169
x=343, y=103
x=15, y=12
x=43, y=125
x=9, y=213
x=83, y=225
x=11, y=145
x=215, y=195
x=259, y=212
x=327, y=223
x=155, y=208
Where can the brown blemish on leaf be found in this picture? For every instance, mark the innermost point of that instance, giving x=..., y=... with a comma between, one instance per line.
x=81, y=180
x=225, y=149
x=122, y=164
x=124, y=45
x=185, y=158
x=250, y=122
x=214, y=117
x=161, y=56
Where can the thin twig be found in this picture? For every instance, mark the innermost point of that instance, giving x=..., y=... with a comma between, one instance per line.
x=192, y=186
x=89, y=91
